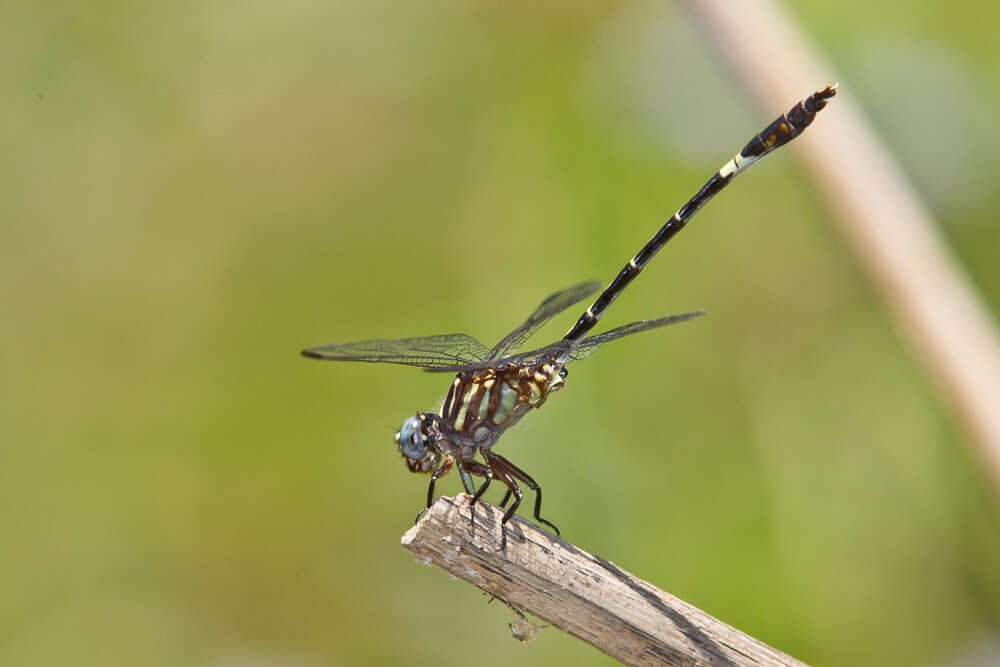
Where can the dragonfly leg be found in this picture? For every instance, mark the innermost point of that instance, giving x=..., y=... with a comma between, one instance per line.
x=532, y=484
x=499, y=467
x=506, y=497
x=440, y=472
x=463, y=473
x=482, y=471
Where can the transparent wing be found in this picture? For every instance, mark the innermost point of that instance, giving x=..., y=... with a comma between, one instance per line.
x=551, y=306
x=566, y=351
x=589, y=345
x=441, y=353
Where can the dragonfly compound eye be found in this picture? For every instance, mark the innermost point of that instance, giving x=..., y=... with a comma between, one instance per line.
x=411, y=439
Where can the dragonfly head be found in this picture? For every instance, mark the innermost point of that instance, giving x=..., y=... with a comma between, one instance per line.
x=416, y=443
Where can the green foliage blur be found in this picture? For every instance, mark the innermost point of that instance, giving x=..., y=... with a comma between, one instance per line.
x=191, y=192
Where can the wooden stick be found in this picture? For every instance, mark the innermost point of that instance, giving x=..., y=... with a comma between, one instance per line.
x=583, y=594
x=878, y=211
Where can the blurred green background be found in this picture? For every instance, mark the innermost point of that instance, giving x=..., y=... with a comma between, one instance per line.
x=193, y=191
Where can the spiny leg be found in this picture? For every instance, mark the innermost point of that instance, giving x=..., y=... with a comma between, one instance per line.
x=440, y=472
x=532, y=484
x=477, y=469
x=497, y=465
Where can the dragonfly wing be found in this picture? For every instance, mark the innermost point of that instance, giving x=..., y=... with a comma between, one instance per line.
x=589, y=345
x=442, y=352
x=565, y=351
x=547, y=309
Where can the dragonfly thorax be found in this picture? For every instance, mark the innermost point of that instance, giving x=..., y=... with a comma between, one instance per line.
x=480, y=405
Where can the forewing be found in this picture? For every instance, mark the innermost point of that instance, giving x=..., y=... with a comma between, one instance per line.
x=566, y=351
x=547, y=309
x=442, y=352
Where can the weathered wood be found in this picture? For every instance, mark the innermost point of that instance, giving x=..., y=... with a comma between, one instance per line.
x=586, y=596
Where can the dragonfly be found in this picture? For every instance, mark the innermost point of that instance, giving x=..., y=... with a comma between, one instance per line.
x=495, y=387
